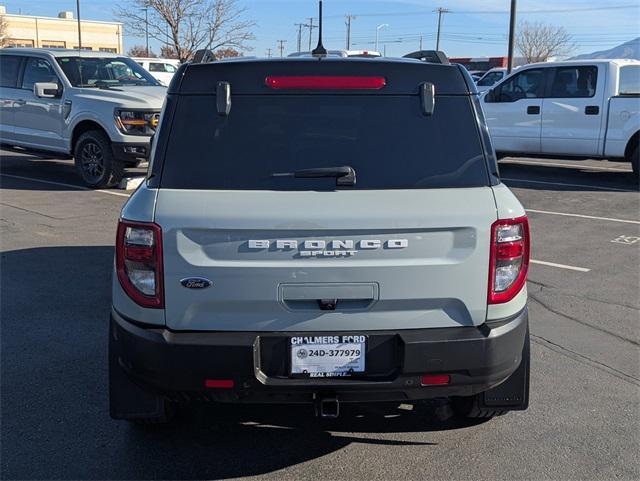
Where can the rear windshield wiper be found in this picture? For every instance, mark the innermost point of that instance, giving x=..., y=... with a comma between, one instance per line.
x=344, y=175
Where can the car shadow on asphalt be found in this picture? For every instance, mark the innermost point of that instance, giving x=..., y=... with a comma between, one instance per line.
x=45, y=168
x=544, y=177
x=55, y=305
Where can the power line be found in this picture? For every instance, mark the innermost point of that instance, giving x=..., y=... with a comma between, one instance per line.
x=495, y=12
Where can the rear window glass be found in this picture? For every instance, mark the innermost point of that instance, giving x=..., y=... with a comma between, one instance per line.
x=629, y=80
x=9, y=70
x=385, y=139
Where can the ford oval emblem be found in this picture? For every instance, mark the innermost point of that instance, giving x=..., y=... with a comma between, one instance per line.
x=196, y=283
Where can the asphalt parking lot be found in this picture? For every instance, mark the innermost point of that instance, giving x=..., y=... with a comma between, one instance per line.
x=584, y=418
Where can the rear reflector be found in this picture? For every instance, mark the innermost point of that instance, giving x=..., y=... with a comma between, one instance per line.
x=325, y=83
x=435, y=379
x=219, y=383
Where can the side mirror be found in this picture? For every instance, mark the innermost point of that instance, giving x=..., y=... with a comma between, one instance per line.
x=45, y=90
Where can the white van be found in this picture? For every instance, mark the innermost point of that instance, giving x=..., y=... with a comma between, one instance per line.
x=161, y=68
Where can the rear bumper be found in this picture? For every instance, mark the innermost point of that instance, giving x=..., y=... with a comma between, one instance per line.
x=176, y=364
x=131, y=152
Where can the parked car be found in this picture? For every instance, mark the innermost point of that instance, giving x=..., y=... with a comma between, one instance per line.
x=98, y=107
x=161, y=68
x=289, y=245
x=581, y=108
x=490, y=78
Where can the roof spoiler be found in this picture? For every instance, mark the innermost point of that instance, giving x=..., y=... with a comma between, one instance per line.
x=431, y=56
x=203, y=56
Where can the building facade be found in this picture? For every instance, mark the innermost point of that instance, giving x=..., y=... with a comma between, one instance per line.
x=61, y=32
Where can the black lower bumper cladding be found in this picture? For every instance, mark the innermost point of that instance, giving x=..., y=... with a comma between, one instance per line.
x=130, y=152
x=253, y=366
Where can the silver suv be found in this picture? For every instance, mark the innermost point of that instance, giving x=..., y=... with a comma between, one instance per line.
x=100, y=108
x=323, y=231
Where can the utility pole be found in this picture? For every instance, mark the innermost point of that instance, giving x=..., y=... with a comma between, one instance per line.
x=420, y=42
x=300, y=25
x=281, y=47
x=440, y=11
x=78, y=15
x=311, y=27
x=268, y=53
x=146, y=28
x=348, y=24
x=512, y=36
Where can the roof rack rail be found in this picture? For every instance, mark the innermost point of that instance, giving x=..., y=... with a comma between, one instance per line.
x=203, y=56
x=431, y=56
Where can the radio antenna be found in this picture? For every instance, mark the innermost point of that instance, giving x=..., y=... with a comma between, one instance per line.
x=319, y=51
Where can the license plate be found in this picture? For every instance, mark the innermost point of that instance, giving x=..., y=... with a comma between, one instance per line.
x=328, y=356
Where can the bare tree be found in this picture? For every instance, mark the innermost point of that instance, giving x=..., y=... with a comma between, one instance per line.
x=189, y=25
x=537, y=42
x=226, y=52
x=3, y=31
x=167, y=51
x=140, y=51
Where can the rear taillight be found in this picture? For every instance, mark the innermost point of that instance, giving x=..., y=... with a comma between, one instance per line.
x=139, y=262
x=509, y=259
x=325, y=83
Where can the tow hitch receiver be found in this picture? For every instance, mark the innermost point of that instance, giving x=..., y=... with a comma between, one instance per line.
x=326, y=407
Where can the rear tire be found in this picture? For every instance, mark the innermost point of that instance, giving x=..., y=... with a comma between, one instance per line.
x=473, y=406
x=95, y=161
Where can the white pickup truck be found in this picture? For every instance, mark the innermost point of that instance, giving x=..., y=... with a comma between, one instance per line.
x=582, y=109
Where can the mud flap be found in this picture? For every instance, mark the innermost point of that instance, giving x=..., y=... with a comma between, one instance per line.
x=127, y=400
x=513, y=394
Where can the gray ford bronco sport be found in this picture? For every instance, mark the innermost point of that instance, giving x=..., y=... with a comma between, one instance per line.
x=320, y=230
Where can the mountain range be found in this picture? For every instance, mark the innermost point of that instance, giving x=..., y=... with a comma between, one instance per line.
x=630, y=49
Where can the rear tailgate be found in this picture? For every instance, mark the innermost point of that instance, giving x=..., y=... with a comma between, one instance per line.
x=405, y=246
x=438, y=280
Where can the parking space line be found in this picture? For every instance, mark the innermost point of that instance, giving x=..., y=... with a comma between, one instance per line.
x=561, y=266
x=570, y=166
x=62, y=184
x=582, y=216
x=586, y=186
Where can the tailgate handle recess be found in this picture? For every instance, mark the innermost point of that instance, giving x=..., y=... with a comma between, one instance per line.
x=328, y=297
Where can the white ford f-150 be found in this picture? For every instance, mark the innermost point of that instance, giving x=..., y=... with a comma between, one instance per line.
x=586, y=108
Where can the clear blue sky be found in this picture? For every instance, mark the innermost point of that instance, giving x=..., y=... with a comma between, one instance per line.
x=472, y=28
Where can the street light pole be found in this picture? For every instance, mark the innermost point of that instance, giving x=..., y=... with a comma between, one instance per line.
x=378, y=30
x=512, y=36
